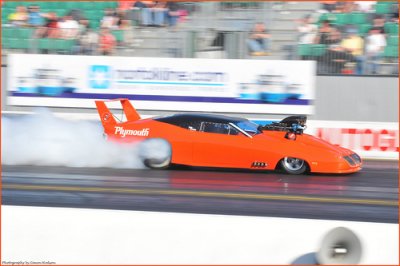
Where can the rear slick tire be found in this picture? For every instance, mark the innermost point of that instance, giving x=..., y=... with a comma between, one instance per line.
x=293, y=165
x=156, y=153
x=157, y=163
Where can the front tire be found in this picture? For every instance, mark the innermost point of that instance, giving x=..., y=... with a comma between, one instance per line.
x=294, y=166
x=156, y=153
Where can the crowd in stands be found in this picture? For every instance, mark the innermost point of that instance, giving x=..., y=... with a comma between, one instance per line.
x=350, y=37
x=90, y=29
x=342, y=36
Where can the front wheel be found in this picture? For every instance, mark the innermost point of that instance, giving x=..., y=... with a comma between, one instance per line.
x=156, y=153
x=293, y=165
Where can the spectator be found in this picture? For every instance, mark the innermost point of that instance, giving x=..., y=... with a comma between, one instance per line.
x=139, y=4
x=69, y=28
x=375, y=45
x=51, y=27
x=379, y=23
x=127, y=28
x=35, y=18
x=19, y=17
x=76, y=14
x=365, y=6
x=394, y=13
x=154, y=13
x=349, y=7
x=328, y=6
x=138, y=16
x=339, y=7
x=125, y=4
x=125, y=24
x=354, y=44
x=324, y=32
x=109, y=20
x=107, y=42
x=159, y=13
x=87, y=43
x=172, y=13
x=83, y=25
x=334, y=39
x=146, y=10
x=183, y=15
x=259, y=39
x=335, y=58
x=119, y=16
x=307, y=30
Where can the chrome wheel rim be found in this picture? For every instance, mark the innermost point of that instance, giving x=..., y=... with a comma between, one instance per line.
x=293, y=164
x=159, y=163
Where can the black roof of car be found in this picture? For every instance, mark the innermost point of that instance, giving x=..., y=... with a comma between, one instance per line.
x=177, y=118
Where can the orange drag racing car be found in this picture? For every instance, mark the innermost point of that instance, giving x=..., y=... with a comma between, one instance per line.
x=211, y=140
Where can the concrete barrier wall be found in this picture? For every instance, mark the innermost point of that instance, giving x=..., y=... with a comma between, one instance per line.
x=89, y=236
x=349, y=98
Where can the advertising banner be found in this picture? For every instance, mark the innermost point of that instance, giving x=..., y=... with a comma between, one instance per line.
x=211, y=85
x=370, y=140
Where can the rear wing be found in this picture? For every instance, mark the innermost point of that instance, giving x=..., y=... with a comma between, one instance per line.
x=108, y=119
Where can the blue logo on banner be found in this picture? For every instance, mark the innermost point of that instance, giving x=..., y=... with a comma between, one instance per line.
x=100, y=77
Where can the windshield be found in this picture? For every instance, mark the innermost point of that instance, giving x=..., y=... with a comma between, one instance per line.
x=249, y=127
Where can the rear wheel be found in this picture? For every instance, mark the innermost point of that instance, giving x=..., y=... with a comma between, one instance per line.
x=157, y=163
x=293, y=165
x=156, y=153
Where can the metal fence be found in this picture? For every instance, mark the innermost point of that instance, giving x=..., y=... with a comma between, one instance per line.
x=215, y=43
x=213, y=30
x=334, y=60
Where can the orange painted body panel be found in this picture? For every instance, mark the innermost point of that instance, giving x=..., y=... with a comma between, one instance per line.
x=179, y=138
x=237, y=151
x=197, y=148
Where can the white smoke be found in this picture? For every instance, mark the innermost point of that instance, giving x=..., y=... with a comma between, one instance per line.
x=43, y=139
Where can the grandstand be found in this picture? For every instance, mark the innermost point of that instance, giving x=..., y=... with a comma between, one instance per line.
x=22, y=38
x=362, y=23
x=204, y=29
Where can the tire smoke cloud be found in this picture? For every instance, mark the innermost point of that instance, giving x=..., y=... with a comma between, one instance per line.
x=44, y=139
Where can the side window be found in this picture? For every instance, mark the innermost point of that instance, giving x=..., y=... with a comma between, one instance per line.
x=191, y=125
x=233, y=131
x=219, y=128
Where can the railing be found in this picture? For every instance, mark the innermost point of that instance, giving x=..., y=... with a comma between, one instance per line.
x=334, y=60
x=205, y=43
